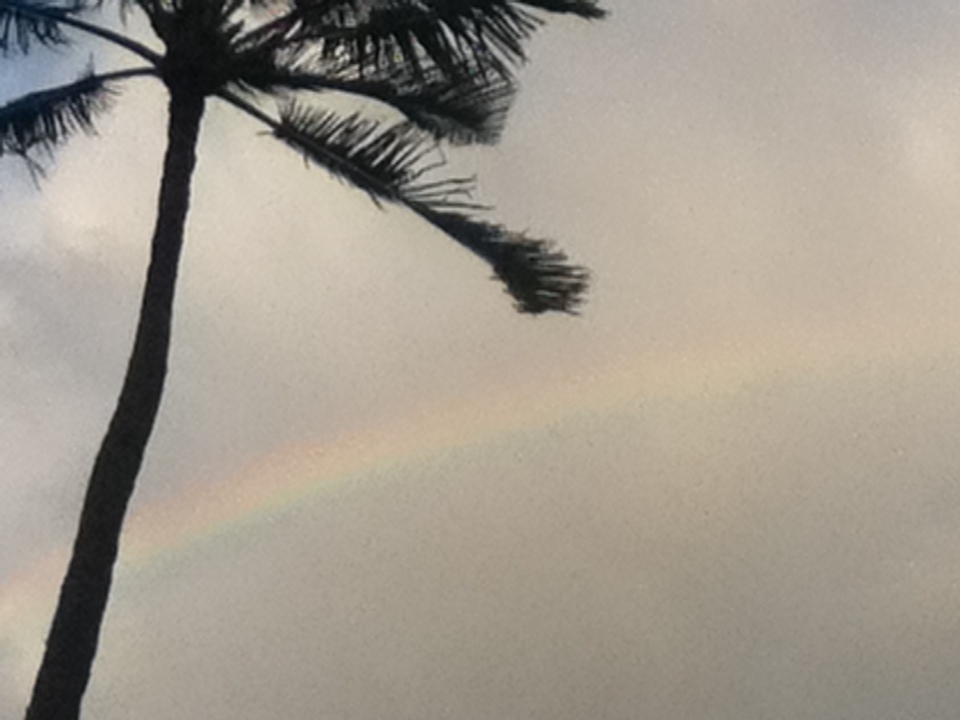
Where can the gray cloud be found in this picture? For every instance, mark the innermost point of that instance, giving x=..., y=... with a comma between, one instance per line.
x=743, y=177
x=769, y=550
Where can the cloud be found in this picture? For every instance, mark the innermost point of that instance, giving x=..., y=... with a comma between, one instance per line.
x=704, y=557
x=764, y=180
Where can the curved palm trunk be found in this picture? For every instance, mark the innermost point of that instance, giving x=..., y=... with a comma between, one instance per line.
x=72, y=642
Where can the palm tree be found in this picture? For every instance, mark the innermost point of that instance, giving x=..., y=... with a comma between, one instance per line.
x=441, y=69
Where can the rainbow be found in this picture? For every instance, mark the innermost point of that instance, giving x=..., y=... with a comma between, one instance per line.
x=294, y=473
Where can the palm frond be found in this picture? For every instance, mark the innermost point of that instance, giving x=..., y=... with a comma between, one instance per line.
x=458, y=111
x=416, y=35
x=589, y=9
x=419, y=34
x=23, y=23
x=382, y=162
x=538, y=277
x=386, y=163
x=46, y=119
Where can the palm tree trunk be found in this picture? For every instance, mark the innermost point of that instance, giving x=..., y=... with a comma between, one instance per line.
x=72, y=642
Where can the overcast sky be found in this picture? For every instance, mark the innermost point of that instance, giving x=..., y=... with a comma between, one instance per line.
x=730, y=489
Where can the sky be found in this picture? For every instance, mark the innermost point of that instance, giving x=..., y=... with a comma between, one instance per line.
x=730, y=488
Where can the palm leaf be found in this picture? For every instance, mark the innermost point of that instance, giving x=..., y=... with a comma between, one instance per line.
x=444, y=34
x=382, y=162
x=459, y=111
x=23, y=23
x=589, y=9
x=46, y=119
x=387, y=164
x=538, y=276
x=417, y=35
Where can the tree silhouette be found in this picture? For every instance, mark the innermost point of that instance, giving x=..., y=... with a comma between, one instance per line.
x=441, y=68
